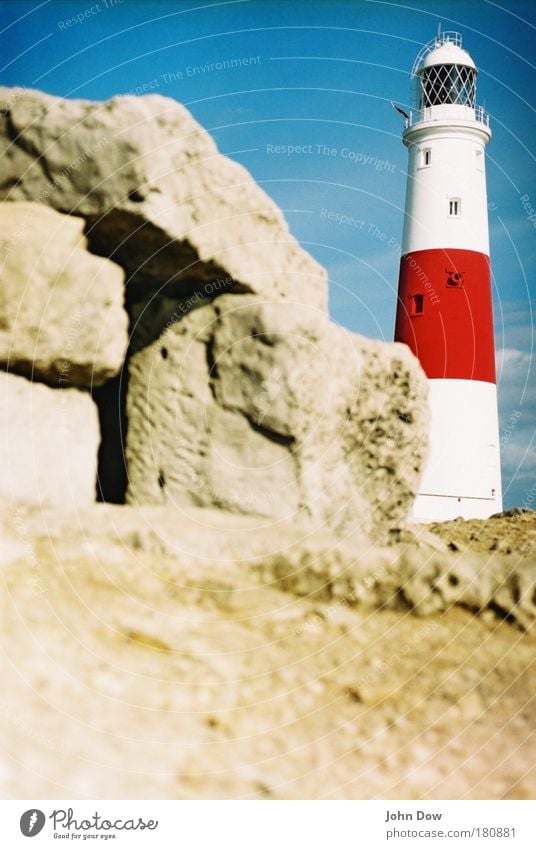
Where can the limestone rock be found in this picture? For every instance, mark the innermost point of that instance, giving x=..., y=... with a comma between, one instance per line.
x=508, y=533
x=417, y=575
x=249, y=406
x=164, y=634
x=61, y=308
x=48, y=443
x=156, y=195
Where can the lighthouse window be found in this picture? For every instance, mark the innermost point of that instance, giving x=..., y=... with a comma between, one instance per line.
x=426, y=156
x=455, y=207
x=417, y=304
x=448, y=84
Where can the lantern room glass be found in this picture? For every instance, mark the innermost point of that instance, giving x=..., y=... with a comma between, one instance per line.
x=442, y=84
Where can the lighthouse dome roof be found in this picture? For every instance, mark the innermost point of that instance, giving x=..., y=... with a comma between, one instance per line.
x=446, y=53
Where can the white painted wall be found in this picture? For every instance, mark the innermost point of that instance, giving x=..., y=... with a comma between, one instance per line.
x=456, y=170
x=463, y=467
x=462, y=476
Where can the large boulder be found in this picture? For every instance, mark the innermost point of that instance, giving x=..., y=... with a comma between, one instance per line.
x=241, y=394
x=61, y=308
x=156, y=195
x=256, y=408
x=48, y=443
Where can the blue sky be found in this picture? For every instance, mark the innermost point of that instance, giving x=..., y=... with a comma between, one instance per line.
x=318, y=75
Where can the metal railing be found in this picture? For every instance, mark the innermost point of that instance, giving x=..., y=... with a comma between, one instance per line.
x=477, y=114
x=481, y=115
x=441, y=38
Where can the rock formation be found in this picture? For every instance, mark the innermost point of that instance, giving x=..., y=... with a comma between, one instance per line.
x=61, y=308
x=195, y=654
x=49, y=440
x=237, y=392
x=257, y=408
x=62, y=323
x=156, y=195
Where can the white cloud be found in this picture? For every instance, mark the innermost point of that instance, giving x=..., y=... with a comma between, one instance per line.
x=514, y=325
x=517, y=420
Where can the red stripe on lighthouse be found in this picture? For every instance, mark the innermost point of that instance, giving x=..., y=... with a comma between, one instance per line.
x=444, y=313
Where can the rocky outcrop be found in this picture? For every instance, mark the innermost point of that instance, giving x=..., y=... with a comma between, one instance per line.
x=241, y=393
x=426, y=579
x=49, y=440
x=61, y=308
x=207, y=655
x=156, y=196
x=254, y=408
x=159, y=650
x=185, y=223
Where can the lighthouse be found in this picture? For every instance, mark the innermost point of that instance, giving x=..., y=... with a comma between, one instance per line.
x=444, y=310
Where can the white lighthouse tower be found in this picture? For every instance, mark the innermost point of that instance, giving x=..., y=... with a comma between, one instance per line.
x=444, y=308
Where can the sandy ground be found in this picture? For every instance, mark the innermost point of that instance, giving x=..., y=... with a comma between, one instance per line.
x=149, y=658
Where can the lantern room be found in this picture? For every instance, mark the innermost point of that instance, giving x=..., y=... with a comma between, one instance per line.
x=446, y=73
